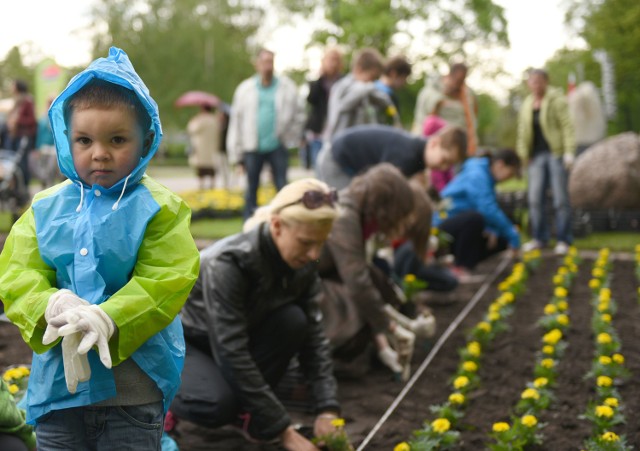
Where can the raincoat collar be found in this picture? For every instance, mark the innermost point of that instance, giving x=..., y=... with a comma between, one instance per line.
x=115, y=68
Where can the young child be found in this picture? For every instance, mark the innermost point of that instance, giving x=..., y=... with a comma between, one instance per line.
x=105, y=258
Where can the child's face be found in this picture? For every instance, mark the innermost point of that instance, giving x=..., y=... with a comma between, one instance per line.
x=438, y=157
x=106, y=144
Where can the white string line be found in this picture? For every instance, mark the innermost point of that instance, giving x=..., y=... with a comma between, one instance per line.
x=441, y=341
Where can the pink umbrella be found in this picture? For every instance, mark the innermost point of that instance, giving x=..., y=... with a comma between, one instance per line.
x=197, y=98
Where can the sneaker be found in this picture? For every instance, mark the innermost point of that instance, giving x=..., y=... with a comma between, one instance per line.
x=561, y=248
x=464, y=276
x=531, y=245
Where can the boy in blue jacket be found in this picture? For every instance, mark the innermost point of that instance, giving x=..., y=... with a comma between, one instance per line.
x=104, y=259
x=475, y=221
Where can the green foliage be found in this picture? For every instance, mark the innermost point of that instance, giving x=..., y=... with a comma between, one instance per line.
x=448, y=25
x=13, y=68
x=183, y=45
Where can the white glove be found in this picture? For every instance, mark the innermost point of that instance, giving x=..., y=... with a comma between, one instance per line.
x=568, y=159
x=434, y=243
x=59, y=302
x=423, y=326
x=76, y=366
x=403, y=341
x=390, y=359
x=95, y=326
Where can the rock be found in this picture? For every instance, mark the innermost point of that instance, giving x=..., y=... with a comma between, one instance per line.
x=607, y=175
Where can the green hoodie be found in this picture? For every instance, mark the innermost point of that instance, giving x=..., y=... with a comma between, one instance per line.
x=12, y=418
x=554, y=120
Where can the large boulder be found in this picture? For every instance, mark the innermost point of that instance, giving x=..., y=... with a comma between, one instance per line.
x=607, y=175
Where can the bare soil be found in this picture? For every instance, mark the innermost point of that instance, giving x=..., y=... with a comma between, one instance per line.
x=506, y=367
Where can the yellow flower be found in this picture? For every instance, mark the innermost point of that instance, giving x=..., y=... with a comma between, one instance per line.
x=610, y=437
x=529, y=421
x=508, y=297
x=461, y=382
x=550, y=309
x=597, y=273
x=540, y=382
x=604, y=360
x=547, y=363
x=552, y=337
x=500, y=427
x=404, y=446
x=548, y=349
x=603, y=307
x=560, y=292
x=530, y=393
x=611, y=402
x=474, y=349
x=484, y=326
x=469, y=366
x=493, y=316
x=605, y=317
x=410, y=278
x=391, y=111
x=618, y=358
x=604, y=411
x=456, y=398
x=604, y=381
x=605, y=294
x=440, y=425
x=13, y=389
x=563, y=320
x=558, y=279
x=337, y=422
x=563, y=271
x=604, y=338
x=594, y=284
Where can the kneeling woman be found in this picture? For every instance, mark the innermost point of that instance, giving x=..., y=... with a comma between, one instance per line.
x=251, y=311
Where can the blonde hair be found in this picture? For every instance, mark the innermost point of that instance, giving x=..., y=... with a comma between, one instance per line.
x=286, y=206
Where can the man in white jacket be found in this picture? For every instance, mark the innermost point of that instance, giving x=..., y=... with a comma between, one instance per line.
x=265, y=121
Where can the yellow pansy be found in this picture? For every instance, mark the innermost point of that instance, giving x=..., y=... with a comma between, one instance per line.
x=529, y=421
x=611, y=402
x=548, y=349
x=552, y=337
x=13, y=389
x=605, y=317
x=404, y=446
x=560, y=292
x=604, y=360
x=337, y=422
x=540, y=382
x=469, y=366
x=461, y=382
x=530, y=393
x=484, y=326
x=610, y=437
x=500, y=427
x=594, y=284
x=550, y=309
x=563, y=320
x=547, y=363
x=441, y=425
x=474, y=349
x=410, y=278
x=604, y=412
x=604, y=381
x=604, y=338
x=618, y=358
x=456, y=398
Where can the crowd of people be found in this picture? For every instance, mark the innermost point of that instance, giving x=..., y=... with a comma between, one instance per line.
x=132, y=327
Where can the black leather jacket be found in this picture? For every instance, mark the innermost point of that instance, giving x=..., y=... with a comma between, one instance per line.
x=243, y=278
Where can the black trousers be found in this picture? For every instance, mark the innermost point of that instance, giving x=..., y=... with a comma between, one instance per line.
x=469, y=246
x=406, y=261
x=208, y=394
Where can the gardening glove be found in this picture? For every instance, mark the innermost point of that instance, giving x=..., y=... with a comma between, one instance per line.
x=95, y=326
x=76, y=366
x=390, y=359
x=59, y=302
x=403, y=341
x=423, y=326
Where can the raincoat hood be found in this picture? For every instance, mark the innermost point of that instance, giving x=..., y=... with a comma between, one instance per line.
x=115, y=68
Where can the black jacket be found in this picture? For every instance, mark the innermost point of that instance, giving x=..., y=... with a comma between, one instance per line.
x=243, y=278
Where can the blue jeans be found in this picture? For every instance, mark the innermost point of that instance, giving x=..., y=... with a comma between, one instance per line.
x=253, y=161
x=101, y=428
x=547, y=170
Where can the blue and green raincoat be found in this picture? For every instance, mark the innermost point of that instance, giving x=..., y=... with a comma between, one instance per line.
x=127, y=248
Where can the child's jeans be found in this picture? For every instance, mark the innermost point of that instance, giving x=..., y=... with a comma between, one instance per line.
x=101, y=428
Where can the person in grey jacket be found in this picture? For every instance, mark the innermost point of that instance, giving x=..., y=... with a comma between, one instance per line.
x=251, y=311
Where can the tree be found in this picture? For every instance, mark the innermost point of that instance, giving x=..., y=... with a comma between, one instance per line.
x=13, y=68
x=612, y=25
x=441, y=28
x=181, y=45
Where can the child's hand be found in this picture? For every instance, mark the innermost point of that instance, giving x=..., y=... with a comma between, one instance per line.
x=94, y=324
x=59, y=302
